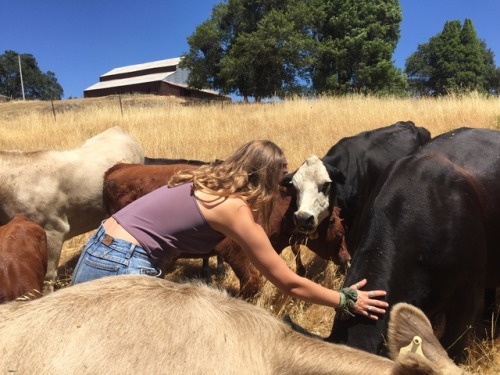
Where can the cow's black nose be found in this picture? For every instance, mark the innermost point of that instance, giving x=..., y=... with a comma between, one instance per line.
x=304, y=222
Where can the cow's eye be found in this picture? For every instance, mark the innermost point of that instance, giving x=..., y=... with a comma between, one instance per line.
x=325, y=188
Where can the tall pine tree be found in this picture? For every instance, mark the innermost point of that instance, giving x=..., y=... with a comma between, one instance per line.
x=356, y=43
x=453, y=61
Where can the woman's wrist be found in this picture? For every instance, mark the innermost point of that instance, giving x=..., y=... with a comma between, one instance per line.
x=348, y=298
x=341, y=300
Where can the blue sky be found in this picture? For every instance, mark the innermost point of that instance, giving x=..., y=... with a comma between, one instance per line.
x=79, y=41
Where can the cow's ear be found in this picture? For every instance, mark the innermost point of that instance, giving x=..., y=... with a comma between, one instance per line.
x=337, y=176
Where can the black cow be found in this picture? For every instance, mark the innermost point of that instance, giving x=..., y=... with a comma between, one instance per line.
x=361, y=159
x=429, y=236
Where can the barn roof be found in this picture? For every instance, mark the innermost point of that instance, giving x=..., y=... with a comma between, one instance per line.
x=145, y=66
x=130, y=81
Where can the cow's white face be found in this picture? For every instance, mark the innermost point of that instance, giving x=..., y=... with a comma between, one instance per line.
x=313, y=184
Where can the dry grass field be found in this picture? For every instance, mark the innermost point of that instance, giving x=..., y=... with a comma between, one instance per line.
x=173, y=128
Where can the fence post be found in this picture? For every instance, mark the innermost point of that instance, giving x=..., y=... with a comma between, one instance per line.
x=121, y=106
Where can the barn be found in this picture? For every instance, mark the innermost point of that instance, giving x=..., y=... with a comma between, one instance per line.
x=162, y=77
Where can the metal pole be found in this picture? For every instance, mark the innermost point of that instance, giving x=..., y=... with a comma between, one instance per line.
x=21, y=74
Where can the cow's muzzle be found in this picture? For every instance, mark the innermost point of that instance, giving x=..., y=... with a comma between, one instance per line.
x=304, y=222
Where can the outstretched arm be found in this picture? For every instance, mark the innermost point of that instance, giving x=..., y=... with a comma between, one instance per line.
x=236, y=221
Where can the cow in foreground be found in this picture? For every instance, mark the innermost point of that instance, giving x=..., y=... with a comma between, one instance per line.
x=23, y=259
x=429, y=236
x=61, y=190
x=361, y=159
x=133, y=324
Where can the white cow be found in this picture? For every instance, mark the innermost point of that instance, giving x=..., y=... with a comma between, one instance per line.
x=61, y=190
x=313, y=185
x=136, y=324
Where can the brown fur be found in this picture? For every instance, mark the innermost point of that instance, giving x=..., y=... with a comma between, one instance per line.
x=124, y=183
x=23, y=259
x=139, y=324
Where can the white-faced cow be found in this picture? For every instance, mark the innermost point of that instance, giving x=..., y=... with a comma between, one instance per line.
x=134, y=324
x=23, y=259
x=348, y=172
x=429, y=236
x=61, y=190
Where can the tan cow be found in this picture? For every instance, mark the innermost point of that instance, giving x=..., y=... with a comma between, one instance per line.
x=62, y=189
x=133, y=324
x=23, y=259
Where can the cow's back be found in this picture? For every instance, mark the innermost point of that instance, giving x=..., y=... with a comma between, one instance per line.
x=124, y=183
x=139, y=324
x=364, y=157
x=477, y=151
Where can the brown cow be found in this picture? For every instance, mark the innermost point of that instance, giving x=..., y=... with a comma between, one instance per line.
x=132, y=324
x=123, y=183
x=23, y=259
x=135, y=191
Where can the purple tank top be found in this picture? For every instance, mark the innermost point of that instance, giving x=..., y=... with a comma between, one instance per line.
x=168, y=221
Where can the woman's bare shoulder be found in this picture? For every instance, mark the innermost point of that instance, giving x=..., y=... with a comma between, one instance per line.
x=221, y=210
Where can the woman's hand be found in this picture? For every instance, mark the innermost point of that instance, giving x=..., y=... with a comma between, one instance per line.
x=366, y=304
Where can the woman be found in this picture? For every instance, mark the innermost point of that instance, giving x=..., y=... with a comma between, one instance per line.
x=195, y=212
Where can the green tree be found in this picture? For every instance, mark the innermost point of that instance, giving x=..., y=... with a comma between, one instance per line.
x=37, y=85
x=492, y=72
x=472, y=60
x=259, y=48
x=247, y=47
x=453, y=61
x=273, y=57
x=356, y=43
x=419, y=71
x=445, y=58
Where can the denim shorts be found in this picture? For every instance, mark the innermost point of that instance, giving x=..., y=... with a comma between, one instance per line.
x=103, y=256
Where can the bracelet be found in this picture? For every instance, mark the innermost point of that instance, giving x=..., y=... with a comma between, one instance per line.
x=348, y=298
x=342, y=301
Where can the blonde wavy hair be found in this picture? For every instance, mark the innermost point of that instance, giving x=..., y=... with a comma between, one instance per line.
x=252, y=173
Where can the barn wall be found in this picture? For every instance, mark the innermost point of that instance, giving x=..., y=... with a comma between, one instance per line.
x=168, y=89
x=155, y=88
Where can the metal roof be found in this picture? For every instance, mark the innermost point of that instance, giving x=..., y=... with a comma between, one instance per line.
x=130, y=81
x=138, y=67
